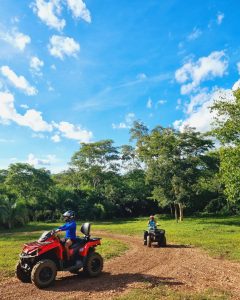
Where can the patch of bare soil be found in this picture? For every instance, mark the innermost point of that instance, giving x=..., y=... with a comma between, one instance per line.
x=176, y=266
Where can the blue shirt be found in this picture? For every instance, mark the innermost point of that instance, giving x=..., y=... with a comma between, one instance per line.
x=70, y=228
x=151, y=224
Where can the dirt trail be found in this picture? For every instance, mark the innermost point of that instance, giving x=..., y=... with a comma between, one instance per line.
x=177, y=266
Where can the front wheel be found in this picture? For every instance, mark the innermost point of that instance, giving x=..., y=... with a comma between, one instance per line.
x=44, y=273
x=94, y=265
x=21, y=274
x=149, y=241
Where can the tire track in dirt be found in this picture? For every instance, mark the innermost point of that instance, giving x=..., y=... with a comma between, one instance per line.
x=177, y=266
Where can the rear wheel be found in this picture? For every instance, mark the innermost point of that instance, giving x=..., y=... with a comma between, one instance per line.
x=163, y=242
x=44, y=273
x=94, y=265
x=21, y=274
x=149, y=241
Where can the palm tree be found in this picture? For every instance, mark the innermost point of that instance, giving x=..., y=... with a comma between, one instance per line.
x=12, y=210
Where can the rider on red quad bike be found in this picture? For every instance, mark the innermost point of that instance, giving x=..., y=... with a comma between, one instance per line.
x=40, y=260
x=70, y=227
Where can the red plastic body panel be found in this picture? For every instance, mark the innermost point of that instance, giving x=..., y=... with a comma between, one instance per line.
x=43, y=247
x=54, y=243
x=91, y=244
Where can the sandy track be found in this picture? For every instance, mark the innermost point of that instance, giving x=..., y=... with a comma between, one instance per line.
x=177, y=266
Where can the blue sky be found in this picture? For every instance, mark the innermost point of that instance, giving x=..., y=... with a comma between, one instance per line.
x=76, y=71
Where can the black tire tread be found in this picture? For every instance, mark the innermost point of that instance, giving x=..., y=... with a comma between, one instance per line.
x=34, y=274
x=21, y=275
x=87, y=268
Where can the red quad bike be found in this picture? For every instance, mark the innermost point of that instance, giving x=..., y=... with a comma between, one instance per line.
x=40, y=260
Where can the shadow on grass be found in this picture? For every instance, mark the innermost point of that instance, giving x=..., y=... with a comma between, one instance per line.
x=108, y=281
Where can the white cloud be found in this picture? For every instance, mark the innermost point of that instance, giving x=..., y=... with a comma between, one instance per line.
x=31, y=118
x=36, y=162
x=198, y=112
x=25, y=106
x=18, y=81
x=36, y=64
x=15, y=38
x=48, y=13
x=60, y=46
x=238, y=67
x=236, y=85
x=149, y=103
x=71, y=131
x=79, y=10
x=34, y=120
x=203, y=69
x=220, y=17
x=129, y=118
x=194, y=34
x=56, y=138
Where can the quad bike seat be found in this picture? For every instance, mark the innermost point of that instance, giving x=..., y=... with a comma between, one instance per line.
x=78, y=243
x=81, y=241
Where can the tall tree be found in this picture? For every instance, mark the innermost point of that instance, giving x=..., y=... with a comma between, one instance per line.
x=174, y=163
x=227, y=131
x=32, y=185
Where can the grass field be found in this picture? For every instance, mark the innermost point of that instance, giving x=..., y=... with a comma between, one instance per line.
x=219, y=236
x=164, y=293
x=11, y=243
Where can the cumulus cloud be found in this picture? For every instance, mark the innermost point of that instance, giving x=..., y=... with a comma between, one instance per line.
x=236, y=85
x=48, y=13
x=220, y=17
x=39, y=162
x=61, y=46
x=79, y=10
x=194, y=34
x=15, y=38
x=56, y=138
x=18, y=81
x=214, y=65
x=36, y=64
x=198, y=112
x=127, y=123
x=74, y=132
x=31, y=118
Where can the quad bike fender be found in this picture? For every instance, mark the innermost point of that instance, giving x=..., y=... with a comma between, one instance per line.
x=91, y=244
x=52, y=247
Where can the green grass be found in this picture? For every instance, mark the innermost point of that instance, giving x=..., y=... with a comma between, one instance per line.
x=165, y=293
x=11, y=243
x=219, y=236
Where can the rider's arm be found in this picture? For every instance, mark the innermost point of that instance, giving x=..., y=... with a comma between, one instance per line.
x=67, y=226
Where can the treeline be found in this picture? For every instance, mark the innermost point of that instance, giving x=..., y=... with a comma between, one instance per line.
x=166, y=171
